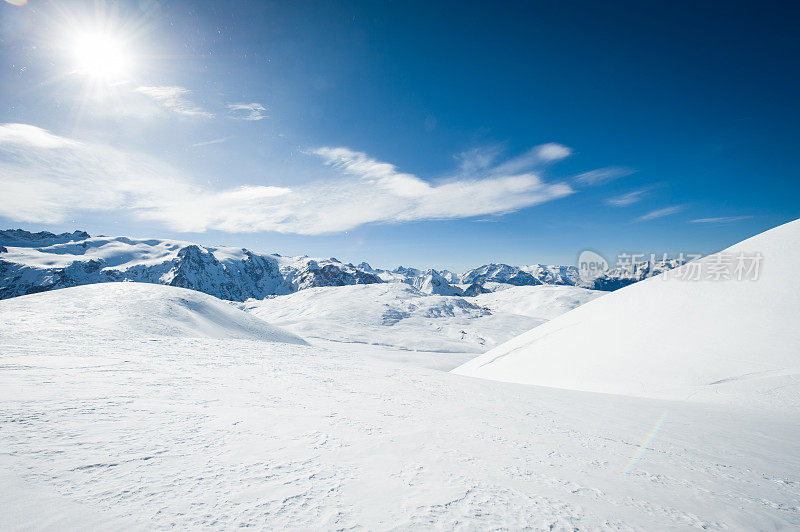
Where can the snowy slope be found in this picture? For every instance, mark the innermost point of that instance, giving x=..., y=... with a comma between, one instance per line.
x=718, y=340
x=134, y=311
x=541, y=302
x=109, y=430
x=392, y=315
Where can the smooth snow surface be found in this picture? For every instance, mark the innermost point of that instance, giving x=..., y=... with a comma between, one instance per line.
x=106, y=424
x=131, y=311
x=729, y=341
x=543, y=302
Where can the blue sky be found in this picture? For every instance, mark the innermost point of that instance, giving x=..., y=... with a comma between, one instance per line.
x=432, y=135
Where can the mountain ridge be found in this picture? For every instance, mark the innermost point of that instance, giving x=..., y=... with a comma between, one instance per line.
x=42, y=261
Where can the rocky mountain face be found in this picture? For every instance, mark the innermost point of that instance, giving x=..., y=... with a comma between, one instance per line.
x=227, y=273
x=550, y=274
x=26, y=239
x=499, y=273
x=37, y=262
x=311, y=273
x=433, y=282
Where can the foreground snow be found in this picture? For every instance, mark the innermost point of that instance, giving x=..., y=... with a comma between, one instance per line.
x=730, y=341
x=158, y=430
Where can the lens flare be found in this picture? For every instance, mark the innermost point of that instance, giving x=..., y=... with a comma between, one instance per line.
x=101, y=56
x=646, y=442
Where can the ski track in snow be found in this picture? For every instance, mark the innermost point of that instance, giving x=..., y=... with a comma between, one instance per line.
x=222, y=433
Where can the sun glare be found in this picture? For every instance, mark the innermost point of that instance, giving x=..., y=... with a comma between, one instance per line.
x=101, y=57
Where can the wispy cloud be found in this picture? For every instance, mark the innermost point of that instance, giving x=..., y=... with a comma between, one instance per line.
x=396, y=196
x=175, y=99
x=247, y=111
x=660, y=213
x=25, y=135
x=46, y=178
x=546, y=153
x=721, y=220
x=478, y=159
x=626, y=199
x=486, y=160
x=209, y=142
x=602, y=175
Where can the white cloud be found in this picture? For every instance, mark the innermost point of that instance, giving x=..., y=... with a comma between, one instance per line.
x=25, y=135
x=721, y=220
x=45, y=181
x=174, y=99
x=536, y=156
x=552, y=152
x=47, y=178
x=602, y=175
x=660, y=213
x=483, y=160
x=626, y=199
x=209, y=142
x=247, y=111
x=479, y=159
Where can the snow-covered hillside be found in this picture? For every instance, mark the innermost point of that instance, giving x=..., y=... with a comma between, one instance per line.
x=134, y=312
x=715, y=339
x=541, y=302
x=152, y=429
x=395, y=315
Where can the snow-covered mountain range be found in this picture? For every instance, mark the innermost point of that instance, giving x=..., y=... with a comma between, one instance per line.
x=37, y=262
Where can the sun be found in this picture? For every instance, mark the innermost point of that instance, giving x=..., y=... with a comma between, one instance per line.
x=101, y=56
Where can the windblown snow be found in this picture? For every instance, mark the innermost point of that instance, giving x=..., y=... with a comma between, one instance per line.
x=145, y=406
x=713, y=339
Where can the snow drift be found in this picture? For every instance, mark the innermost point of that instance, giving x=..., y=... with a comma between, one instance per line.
x=132, y=310
x=734, y=341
